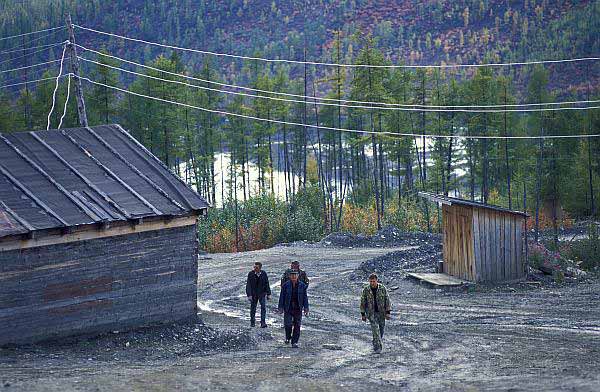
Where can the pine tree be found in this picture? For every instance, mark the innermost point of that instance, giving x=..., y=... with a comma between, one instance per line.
x=104, y=107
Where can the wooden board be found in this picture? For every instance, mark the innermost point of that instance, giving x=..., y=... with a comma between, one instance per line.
x=437, y=279
x=95, y=285
x=487, y=254
x=482, y=245
x=477, y=247
x=508, y=244
x=521, y=262
x=92, y=232
x=512, y=252
x=499, y=246
x=459, y=254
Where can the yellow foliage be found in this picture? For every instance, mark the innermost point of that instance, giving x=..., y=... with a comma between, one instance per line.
x=358, y=219
x=312, y=172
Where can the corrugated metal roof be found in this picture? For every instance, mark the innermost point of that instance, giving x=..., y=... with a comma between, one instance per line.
x=453, y=200
x=8, y=224
x=71, y=177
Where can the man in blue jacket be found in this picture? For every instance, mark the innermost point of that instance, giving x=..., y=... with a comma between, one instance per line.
x=292, y=301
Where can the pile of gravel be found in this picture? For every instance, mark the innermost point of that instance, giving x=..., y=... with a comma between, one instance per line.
x=396, y=265
x=387, y=237
x=160, y=342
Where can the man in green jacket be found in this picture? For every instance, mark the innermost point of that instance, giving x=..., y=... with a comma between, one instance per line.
x=375, y=306
x=295, y=266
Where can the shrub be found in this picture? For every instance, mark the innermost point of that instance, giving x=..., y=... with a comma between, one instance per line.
x=359, y=220
x=302, y=225
x=586, y=252
x=545, y=221
x=409, y=216
x=541, y=256
x=263, y=222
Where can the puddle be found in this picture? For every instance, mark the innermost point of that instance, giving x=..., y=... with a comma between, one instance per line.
x=215, y=306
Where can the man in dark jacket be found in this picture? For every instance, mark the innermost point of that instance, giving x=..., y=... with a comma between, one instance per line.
x=257, y=288
x=295, y=266
x=292, y=301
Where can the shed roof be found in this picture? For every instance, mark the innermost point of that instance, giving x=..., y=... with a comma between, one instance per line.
x=453, y=200
x=80, y=176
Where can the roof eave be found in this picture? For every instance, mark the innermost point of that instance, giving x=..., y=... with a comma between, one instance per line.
x=445, y=200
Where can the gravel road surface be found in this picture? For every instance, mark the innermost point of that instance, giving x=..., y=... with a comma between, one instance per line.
x=519, y=337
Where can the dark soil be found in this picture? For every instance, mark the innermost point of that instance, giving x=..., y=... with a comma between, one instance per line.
x=153, y=343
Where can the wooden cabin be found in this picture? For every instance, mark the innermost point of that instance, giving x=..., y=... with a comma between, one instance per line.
x=96, y=234
x=482, y=242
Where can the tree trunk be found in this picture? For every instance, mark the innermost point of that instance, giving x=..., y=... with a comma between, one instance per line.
x=539, y=186
x=375, y=159
x=506, y=151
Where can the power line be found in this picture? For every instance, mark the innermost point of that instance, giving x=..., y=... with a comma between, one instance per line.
x=383, y=133
x=410, y=108
x=32, y=53
x=66, y=101
x=20, y=78
x=318, y=98
x=30, y=48
x=125, y=116
x=33, y=32
x=228, y=55
x=30, y=66
x=28, y=81
x=62, y=59
x=24, y=44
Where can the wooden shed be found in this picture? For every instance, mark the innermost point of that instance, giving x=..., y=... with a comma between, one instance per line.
x=482, y=242
x=96, y=234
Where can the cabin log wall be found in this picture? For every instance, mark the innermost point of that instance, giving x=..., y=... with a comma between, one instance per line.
x=98, y=285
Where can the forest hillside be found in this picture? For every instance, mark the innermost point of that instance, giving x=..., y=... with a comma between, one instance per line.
x=425, y=32
x=284, y=150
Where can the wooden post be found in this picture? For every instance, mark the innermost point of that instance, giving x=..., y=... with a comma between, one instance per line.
x=75, y=71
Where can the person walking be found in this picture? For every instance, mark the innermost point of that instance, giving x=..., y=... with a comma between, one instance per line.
x=258, y=290
x=292, y=301
x=295, y=266
x=375, y=307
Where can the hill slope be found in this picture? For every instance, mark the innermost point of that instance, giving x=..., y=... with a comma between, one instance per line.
x=432, y=31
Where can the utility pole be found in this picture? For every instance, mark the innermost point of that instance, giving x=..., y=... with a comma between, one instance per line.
x=74, y=61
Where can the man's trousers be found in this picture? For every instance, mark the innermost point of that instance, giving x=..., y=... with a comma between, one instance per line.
x=292, y=321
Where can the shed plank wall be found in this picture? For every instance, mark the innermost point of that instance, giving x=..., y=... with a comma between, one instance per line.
x=467, y=220
x=499, y=248
x=98, y=285
x=499, y=244
x=489, y=238
x=459, y=254
x=500, y=224
x=484, y=249
x=520, y=263
x=506, y=245
x=477, y=246
x=482, y=245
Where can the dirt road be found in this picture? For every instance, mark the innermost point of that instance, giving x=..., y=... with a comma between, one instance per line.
x=508, y=338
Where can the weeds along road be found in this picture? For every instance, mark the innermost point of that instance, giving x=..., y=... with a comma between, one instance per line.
x=511, y=337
